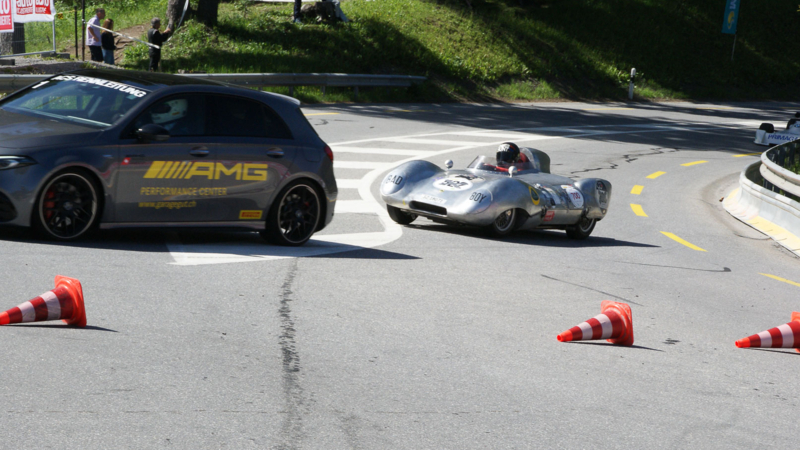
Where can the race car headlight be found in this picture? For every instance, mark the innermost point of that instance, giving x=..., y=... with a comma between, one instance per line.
x=14, y=162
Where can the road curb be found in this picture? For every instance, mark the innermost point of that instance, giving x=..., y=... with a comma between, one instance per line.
x=768, y=212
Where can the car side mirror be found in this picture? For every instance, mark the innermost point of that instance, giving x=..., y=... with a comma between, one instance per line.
x=511, y=171
x=449, y=163
x=152, y=132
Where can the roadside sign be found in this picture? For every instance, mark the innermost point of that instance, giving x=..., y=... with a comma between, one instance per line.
x=731, y=16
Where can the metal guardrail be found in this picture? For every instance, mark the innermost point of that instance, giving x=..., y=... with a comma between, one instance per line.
x=777, y=177
x=10, y=83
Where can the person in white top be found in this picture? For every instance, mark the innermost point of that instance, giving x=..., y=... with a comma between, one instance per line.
x=93, y=35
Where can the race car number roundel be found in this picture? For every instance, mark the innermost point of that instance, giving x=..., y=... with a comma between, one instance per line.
x=453, y=183
x=574, y=196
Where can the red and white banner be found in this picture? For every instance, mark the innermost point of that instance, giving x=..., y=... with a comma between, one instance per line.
x=6, y=16
x=33, y=10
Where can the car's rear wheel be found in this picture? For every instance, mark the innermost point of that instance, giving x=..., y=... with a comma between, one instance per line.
x=582, y=230
x=400, y=216
x=504, y=223
x=294, y=216
x=68, y=206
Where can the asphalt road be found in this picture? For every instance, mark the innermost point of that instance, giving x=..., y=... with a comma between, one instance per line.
x=376, y=336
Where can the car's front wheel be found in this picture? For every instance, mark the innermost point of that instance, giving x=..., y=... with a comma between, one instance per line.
x=504, y=224
x=67, y=207
x=400, y=216
x=294, y=217
x=582, y=230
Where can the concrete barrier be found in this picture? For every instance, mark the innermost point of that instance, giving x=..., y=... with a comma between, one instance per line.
x=769, y=212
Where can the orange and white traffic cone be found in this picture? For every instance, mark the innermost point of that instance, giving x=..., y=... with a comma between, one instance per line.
x=64, y=302
x=783, y=336
x=615, y=324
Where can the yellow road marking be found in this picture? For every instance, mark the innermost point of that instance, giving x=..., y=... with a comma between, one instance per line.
x=637, y=209
x=780, y=279
x=747, y=154
x=694, y=163
x=605, y=109
x=322, y=114
x=681, y=241
x=655, y=175
x=637, y=190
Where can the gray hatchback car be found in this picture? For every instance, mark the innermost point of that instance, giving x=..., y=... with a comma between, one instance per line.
x=113, y=148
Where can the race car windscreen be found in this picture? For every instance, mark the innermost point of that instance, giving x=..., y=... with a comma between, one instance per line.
x=489, y=163
x=86, y=100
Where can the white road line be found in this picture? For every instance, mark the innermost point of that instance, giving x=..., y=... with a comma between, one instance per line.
x=501, y=135
x=347, y=184
x=432, y=141
x=359, y=165
x=379, y=151
x=355, y=207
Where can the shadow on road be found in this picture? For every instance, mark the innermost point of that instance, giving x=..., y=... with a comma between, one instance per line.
x=542, y=238
x=604, y=344
x=62, y=327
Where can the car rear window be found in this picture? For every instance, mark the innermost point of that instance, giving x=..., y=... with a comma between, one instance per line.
x=237, y=116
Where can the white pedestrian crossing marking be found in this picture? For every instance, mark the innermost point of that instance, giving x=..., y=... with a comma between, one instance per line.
x=380, y=151
x=347, y=184
x=434, y=141
x=355, y=207
x=360, y=165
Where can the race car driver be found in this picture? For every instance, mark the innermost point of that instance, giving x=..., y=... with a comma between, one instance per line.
x=507, y=155
x=172, y=116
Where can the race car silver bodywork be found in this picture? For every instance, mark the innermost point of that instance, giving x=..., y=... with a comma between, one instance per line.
x=766, y=134
x=482, y=196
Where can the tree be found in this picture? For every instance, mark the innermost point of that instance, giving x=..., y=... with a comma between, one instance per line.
x=207, y=11
x=13, y=43
x=174, y=11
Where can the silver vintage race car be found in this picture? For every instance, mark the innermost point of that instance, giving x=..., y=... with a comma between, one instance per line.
x=766, y=134
x=512, y=191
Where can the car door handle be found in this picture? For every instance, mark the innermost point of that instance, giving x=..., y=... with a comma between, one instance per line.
x=199, y=151
x=275, y=153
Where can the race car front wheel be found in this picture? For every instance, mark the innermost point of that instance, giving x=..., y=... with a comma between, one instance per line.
x=400, y=216
x=582, y=230
x=294, y=217
x=67, y=207
x=504, y=224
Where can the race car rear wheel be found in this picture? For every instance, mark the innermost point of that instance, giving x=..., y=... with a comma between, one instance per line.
x=294, y=217
x=582, y=230
x=400, y=216
x=504, y=224
x=68, y=206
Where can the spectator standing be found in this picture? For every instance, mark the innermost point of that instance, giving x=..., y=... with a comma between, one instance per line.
x=298, y=4
x=107, y=42
x=158, y=38
x=93, y=35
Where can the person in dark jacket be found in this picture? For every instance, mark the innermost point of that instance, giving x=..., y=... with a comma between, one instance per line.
x=158, y=38
x=107, y=42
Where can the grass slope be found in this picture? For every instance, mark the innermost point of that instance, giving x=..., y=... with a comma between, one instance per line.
x=497, y=49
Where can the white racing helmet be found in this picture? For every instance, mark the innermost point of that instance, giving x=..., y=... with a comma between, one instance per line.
x=170, y=111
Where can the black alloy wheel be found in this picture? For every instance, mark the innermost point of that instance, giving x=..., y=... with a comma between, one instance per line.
x=400, y=216
x=582, y=230
x=67, y=206
x=504, y=224
x=294, y=218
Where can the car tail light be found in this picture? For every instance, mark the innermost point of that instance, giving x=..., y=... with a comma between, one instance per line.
x=329, y=152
